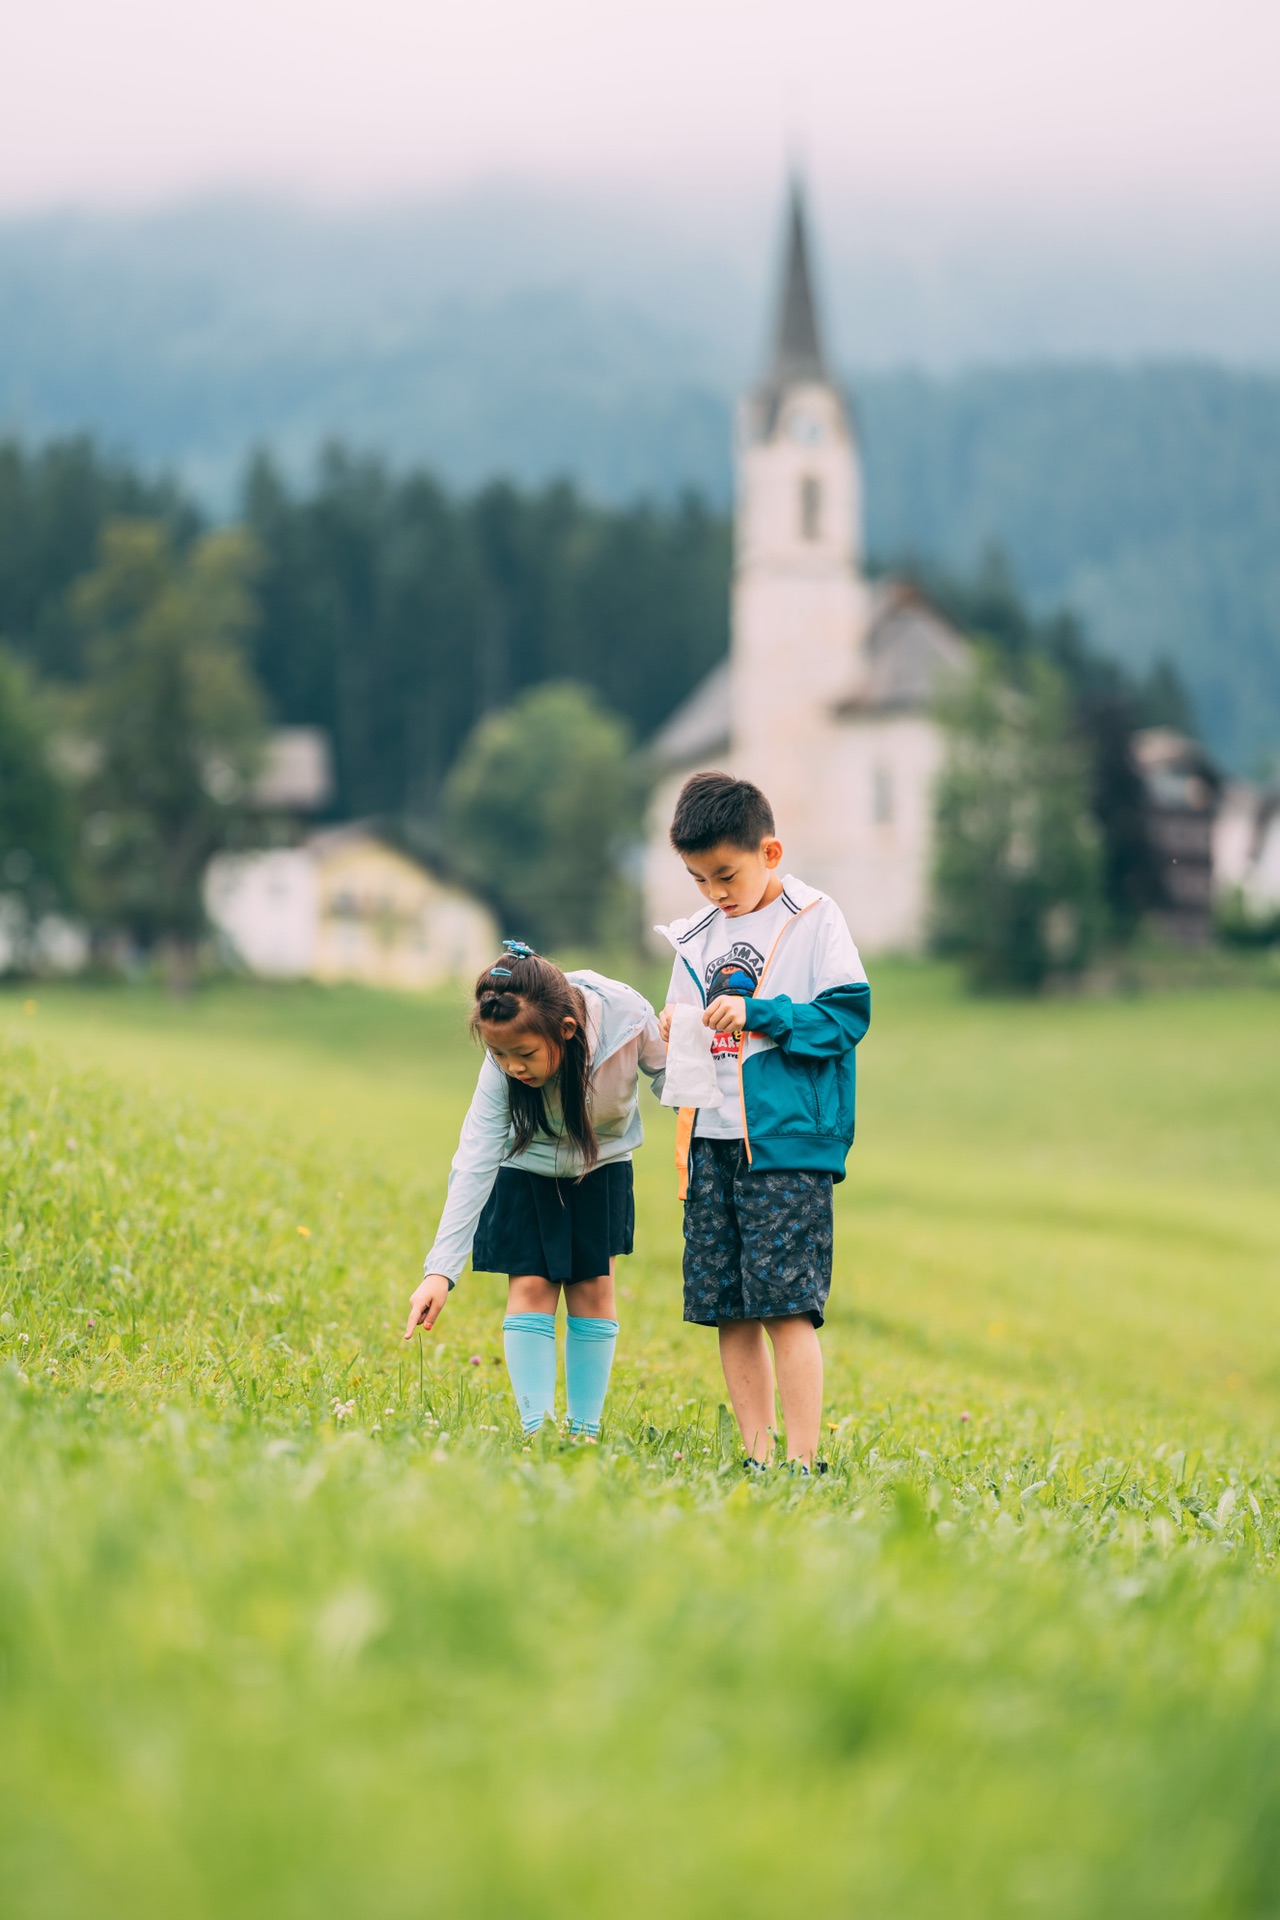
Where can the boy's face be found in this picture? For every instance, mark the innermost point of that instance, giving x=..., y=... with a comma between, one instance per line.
x=738, y=880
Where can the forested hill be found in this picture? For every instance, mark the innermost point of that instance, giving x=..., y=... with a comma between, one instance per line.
x=1147, y=497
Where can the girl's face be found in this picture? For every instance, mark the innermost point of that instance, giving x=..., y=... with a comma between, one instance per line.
x=522, y=1053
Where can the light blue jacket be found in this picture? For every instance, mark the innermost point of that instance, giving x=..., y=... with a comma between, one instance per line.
x=622, y=1033
x=811, y=1007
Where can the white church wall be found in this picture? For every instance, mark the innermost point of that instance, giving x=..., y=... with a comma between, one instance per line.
x=799, y=611
x=781, y=699
x=799, y=604
x=797, y=633
x=877, y=854
x=778, y=517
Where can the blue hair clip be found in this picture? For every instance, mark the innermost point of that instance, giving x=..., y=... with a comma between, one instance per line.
x=518, y=950
x=499, y=973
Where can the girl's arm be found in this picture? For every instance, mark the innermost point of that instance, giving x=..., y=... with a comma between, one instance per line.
x=653, y=1050
x=482, y=1147
x=684, y=989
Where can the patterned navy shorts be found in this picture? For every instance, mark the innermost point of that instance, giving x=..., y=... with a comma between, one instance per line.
x=757, y=1246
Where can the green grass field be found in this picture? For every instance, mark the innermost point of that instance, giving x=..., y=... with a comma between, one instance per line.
x=291, y=1622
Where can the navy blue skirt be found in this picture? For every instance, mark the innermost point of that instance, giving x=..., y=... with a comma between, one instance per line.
x=563, y=1229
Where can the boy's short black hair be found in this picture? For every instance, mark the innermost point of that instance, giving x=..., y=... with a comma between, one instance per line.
x=714, y=808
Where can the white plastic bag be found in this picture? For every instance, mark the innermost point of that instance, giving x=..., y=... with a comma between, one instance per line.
x=691, y=1073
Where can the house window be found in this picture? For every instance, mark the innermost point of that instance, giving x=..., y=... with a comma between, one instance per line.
x=881, y=795
x=810, y=508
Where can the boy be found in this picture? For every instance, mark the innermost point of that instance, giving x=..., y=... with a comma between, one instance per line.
x=771, y=962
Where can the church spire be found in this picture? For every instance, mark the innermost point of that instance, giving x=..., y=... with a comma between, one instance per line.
x=797, y=351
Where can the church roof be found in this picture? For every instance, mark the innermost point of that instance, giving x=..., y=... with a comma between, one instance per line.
x=797, y=350
x=911, y=654
x=698, y=730
x=1176, y=771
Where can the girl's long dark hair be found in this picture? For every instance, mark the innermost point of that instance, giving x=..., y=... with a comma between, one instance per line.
x=534, y=995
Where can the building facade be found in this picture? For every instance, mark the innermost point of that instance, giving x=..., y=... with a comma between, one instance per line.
x=1181, y=790
x=1246, y=851
x=346, y=906
x=827, y=700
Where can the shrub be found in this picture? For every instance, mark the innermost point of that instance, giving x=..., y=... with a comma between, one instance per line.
x=1017, y=871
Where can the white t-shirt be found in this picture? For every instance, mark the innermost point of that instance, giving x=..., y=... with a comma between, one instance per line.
x=740, y=946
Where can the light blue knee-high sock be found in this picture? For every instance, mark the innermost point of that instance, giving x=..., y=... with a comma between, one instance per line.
x=588, y=1361
x=529, y=1341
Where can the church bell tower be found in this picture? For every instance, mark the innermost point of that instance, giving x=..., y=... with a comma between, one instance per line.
x=799, y=599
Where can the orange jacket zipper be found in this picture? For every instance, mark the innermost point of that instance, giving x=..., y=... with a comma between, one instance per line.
x=686, y=1116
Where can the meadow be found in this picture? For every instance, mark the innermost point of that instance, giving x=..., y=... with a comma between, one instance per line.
x=292, y=1622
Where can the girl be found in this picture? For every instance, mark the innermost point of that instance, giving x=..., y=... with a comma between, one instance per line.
x=542, y=1176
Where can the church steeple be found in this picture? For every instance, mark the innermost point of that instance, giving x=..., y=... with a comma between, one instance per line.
x=797, y=349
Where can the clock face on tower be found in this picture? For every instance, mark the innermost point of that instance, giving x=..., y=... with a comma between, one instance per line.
x=805, y=429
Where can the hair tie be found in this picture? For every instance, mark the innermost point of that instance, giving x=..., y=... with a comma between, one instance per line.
x=518, y=951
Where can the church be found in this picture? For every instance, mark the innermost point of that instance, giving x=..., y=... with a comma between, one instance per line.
x=827, y=698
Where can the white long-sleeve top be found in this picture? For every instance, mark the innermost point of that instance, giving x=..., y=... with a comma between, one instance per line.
x=624, y=1042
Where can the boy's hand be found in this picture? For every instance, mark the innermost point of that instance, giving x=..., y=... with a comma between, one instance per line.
x=424, y=1308
x=664, y=1024
x=728, y=1014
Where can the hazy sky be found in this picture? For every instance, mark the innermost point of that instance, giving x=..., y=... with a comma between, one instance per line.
x=1087, y=107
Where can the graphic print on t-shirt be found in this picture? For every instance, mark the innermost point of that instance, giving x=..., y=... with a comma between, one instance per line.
x=737, y=971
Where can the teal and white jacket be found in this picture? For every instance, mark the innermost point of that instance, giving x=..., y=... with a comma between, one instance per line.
x=811, y=1007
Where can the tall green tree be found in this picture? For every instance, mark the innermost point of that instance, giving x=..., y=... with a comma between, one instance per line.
x=54, y=502
x=1017, y=876
x=37, y=817
x=175, y=723
x=1108, y=704
x=373, y=612
x=395, y=614
x=540, y=811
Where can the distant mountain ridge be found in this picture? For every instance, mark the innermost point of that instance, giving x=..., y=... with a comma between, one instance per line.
x=1147, y=497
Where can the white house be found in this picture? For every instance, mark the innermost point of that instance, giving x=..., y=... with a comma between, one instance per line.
x=346, y=906
x=297, y=772
x=827, y=698
x=1246, y=848
x=1182, y=791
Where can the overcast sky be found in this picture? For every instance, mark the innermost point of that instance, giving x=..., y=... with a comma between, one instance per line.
x=1085, y=108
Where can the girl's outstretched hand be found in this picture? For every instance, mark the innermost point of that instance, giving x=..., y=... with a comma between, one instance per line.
x=424, y=1308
